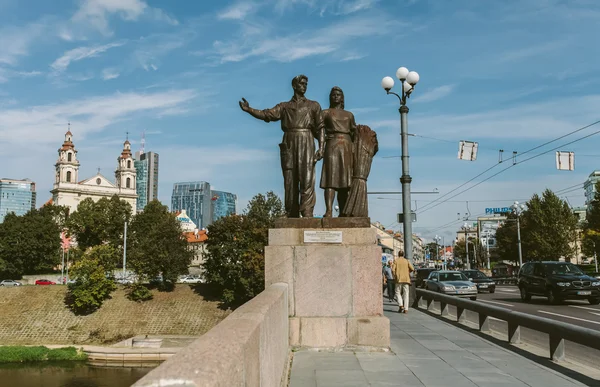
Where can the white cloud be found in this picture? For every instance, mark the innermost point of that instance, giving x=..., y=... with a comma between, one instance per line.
x=87, y=115
x=95, y=13
x=151, y=49
x=80, y=53
x=237, y=11
x=534, y=51
x=435, y=94
x=108, y=74
x=7, y=74
x=352, y=57
x=16, y=42
x=336, y=7
x=306, y=43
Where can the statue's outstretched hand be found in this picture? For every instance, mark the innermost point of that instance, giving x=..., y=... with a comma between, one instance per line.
x=244, y=105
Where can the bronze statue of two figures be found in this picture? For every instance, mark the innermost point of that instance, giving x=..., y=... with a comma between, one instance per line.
x=347, y=151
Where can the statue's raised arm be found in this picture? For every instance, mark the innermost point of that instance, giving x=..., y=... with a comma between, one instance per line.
x=300, y=118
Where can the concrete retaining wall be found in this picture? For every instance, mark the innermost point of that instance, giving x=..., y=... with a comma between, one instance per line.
x=248, y=348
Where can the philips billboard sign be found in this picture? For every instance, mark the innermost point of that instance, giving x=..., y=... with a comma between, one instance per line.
x=498, y=210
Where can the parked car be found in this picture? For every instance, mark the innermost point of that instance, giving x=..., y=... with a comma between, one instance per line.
x=191, y=279
x=421, y=277
x=453, y=283
x=44, y=282
x=483, y=282
x=557, y=281
x=10, y=283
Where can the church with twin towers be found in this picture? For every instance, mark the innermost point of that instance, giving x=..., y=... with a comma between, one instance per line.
x=136, y=179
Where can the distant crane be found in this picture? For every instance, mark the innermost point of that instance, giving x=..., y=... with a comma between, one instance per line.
x=143, y=142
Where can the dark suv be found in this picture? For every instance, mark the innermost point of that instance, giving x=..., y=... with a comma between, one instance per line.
x=557, y=281
x=421, y=277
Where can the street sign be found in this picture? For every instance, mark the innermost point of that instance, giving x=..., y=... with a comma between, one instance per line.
x=401, y=217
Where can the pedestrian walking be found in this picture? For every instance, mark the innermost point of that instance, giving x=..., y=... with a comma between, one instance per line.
x=388, y=280
x=401, y=271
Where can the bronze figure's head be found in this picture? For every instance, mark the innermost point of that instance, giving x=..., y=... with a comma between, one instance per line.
x=300, y=83
x=336, y=98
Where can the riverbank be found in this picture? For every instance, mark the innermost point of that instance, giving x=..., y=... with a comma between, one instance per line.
x=34, y=315
x=30, y=354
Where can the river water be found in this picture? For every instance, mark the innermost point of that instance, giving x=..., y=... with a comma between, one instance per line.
x=67, y=374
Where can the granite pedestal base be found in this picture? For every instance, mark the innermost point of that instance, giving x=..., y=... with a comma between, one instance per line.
x=335, y=292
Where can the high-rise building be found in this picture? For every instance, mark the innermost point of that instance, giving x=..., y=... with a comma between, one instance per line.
x=202, y=204
x=16, y=196
x=223, y=204
x=590, y=187
x=146, y=165
x=195, y=198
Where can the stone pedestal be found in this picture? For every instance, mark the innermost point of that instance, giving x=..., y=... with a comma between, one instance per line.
x=335, y=291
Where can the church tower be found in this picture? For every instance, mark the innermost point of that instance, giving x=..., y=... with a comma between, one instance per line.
x=125, y=173
x=67, y=165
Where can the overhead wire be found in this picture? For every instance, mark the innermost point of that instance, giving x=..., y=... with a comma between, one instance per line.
x=521, y=154
x=524, y=161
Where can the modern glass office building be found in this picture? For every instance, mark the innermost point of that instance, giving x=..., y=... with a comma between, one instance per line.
x=195, y=198
x=223, y=204
x=146, y=165
x=16, y=196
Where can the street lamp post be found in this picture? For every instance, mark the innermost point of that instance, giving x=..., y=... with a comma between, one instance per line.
x=465, y=227
x=487, y=247
x=437, y=240
x=408, y=79
x=518, y=210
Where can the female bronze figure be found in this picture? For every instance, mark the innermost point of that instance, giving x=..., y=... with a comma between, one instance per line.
x=340, y=129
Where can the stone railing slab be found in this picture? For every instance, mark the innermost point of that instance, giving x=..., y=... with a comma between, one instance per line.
x=249, y=348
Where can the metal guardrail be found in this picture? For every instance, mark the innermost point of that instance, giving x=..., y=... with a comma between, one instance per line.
x=557, y=331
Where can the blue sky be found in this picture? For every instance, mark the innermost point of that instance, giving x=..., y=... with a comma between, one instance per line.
x=508, y=74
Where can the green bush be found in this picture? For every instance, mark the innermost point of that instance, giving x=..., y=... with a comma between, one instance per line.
x=19, y=354
x=139, y=292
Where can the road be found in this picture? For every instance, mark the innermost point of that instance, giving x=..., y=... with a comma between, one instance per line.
x=574, y=312
x=579, y=313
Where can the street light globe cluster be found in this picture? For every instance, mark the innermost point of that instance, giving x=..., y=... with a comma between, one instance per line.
x=408, y=78
x=516, y=207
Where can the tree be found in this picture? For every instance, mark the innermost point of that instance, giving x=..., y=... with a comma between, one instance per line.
x=92, y=283
x=433, y=249
x=95, y=223
x=476, y=250
x=158, y=246
x=548, y=228
x=507, y=241
x=30, y=243
x=235, y=262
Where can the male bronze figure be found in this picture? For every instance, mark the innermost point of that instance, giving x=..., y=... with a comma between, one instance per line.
x=301, y=123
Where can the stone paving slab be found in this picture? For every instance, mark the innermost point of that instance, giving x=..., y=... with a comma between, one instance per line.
x=426, y=352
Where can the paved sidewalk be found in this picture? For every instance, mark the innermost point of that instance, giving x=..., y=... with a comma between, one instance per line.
x=425, y=352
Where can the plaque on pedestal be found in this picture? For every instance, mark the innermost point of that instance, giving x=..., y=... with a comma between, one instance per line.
x=319, y=236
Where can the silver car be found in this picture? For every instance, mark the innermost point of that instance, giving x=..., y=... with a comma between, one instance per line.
x=452, y=283
x=10, y=283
